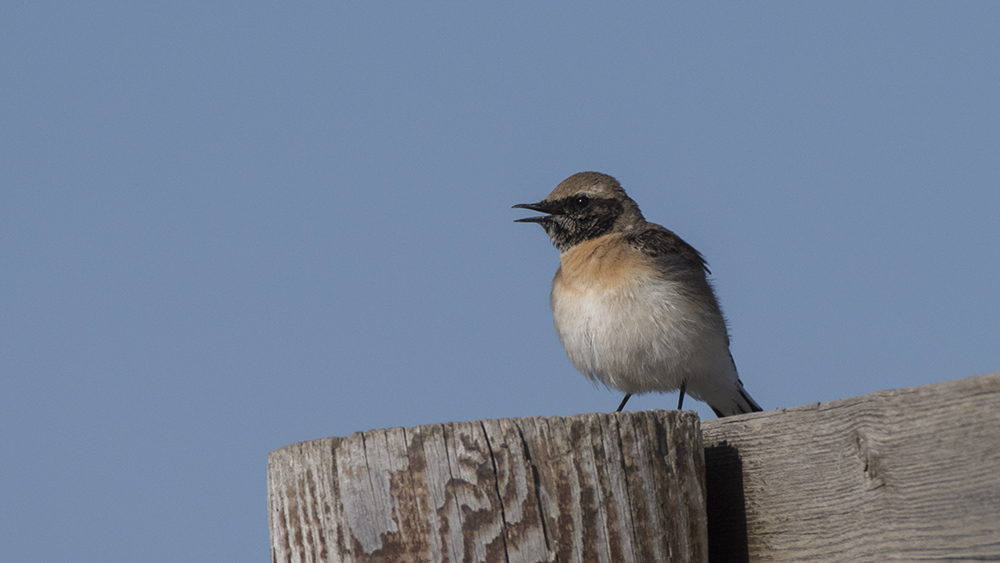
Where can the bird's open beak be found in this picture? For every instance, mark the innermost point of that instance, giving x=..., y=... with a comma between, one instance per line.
x=542, y=206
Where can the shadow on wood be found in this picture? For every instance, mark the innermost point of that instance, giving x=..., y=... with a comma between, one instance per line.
x=727, y=517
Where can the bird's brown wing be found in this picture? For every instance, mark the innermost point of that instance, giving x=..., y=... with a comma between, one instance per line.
x=668, y=249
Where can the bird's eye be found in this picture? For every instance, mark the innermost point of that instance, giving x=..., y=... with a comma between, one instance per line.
x=582, y=201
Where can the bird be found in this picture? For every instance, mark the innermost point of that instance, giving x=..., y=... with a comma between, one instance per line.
x=631, y=301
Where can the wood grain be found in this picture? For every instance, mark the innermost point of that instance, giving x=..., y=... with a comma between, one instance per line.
x=902, y=475
x=623, y=487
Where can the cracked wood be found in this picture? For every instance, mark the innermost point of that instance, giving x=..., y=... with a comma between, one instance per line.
x=623, y=487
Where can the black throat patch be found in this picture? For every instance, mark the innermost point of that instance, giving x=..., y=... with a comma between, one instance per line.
x=572, y=223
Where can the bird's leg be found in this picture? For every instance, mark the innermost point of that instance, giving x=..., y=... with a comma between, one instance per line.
x=625, y=400
x=680, y=402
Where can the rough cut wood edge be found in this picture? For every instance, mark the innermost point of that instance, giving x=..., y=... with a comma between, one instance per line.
x=907, y=474
x=596, y=487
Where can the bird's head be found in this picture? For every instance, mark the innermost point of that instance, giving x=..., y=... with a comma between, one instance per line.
x=584, y=206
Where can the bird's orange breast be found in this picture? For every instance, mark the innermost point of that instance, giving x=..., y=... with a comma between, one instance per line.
x=601, y=264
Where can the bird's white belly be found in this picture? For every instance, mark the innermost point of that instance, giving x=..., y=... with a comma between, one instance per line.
x=640, y=335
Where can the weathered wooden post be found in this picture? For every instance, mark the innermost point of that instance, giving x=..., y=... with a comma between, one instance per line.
x=595, y=487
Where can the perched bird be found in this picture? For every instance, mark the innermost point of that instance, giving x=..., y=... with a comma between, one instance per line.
x=631, y=301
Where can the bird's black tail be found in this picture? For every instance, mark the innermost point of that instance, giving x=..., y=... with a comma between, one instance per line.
x=742, y=403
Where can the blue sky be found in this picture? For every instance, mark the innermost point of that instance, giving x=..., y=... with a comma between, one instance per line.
x=231, y=226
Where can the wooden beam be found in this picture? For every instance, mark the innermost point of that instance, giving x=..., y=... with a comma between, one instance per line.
x=904, y=475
